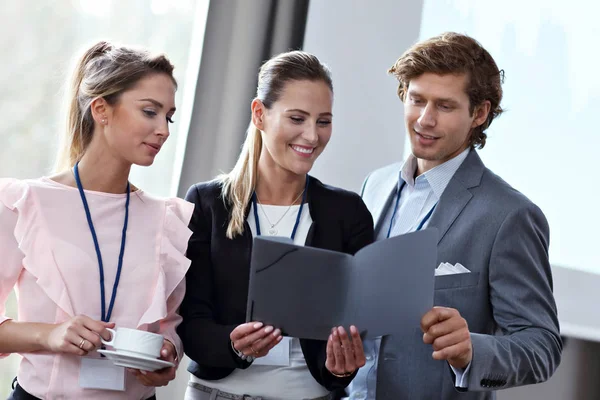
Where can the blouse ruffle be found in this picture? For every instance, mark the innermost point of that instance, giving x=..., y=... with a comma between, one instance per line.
x=35, y=242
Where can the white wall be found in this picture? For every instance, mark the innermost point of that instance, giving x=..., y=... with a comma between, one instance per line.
x=359, y=40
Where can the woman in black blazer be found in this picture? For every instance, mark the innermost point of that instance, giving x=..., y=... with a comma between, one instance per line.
x=269, y=192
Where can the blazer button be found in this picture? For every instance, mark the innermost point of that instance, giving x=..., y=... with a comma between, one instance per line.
x=485, y=383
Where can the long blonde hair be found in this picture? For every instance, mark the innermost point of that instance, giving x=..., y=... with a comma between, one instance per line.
x=238, y=185
x=104, y=71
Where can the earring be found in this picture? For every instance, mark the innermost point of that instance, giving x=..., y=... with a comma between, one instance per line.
x=103, y=121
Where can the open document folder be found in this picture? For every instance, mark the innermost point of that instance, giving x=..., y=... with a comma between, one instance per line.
x=304, y=291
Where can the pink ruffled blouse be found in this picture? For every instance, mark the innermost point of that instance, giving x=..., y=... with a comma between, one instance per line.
x=48, y=254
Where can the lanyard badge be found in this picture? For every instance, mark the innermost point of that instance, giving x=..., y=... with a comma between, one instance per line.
x=105, y=315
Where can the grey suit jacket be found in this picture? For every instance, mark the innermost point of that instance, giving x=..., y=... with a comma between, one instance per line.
x=507, y=301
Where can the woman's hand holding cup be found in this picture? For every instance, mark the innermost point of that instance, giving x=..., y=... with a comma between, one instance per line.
x=79, y=335
x=161, y=377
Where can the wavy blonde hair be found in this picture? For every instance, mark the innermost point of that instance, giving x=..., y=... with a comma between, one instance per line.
x=104, y=71
x=238, y=185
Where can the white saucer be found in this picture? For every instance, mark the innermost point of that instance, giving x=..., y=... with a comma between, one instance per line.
x=136, y=362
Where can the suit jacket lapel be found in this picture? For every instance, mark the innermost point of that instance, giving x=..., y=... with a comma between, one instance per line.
x=387, y=195
x=453, y=201
x=457, y=194
x=310, y=237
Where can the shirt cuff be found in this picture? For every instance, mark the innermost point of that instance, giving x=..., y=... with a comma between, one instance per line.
x=462, y=376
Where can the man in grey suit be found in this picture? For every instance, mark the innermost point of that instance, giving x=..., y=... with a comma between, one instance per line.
x=495, y=324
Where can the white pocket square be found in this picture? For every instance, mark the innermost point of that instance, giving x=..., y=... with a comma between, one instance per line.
x=449, y=269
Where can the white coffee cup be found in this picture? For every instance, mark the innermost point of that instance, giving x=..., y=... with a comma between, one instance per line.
x=135, y=342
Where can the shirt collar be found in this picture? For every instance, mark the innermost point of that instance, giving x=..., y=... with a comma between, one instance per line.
x=438, y=177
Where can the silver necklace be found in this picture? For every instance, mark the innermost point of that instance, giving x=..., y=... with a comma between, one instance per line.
x=272, y=230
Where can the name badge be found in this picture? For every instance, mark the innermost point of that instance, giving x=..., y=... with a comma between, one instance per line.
x=278, y=356
x=101, y=373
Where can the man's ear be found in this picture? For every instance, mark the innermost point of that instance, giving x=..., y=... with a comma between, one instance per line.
x=481, y=113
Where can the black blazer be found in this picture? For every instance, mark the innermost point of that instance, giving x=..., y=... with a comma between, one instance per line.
x=217, y=281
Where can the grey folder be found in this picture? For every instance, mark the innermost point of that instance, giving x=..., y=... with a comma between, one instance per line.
x=384, y=288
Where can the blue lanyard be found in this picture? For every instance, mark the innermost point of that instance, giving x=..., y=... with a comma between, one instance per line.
x=255, y=206
x=105, y=316
x=425, y=219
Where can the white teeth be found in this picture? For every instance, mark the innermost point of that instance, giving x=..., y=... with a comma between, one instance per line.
x=426, y=137
x=303, y=150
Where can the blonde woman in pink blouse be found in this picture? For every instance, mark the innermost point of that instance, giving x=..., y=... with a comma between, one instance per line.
x=60, y=235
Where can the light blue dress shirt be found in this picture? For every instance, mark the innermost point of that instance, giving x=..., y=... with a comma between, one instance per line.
x=417, y=198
